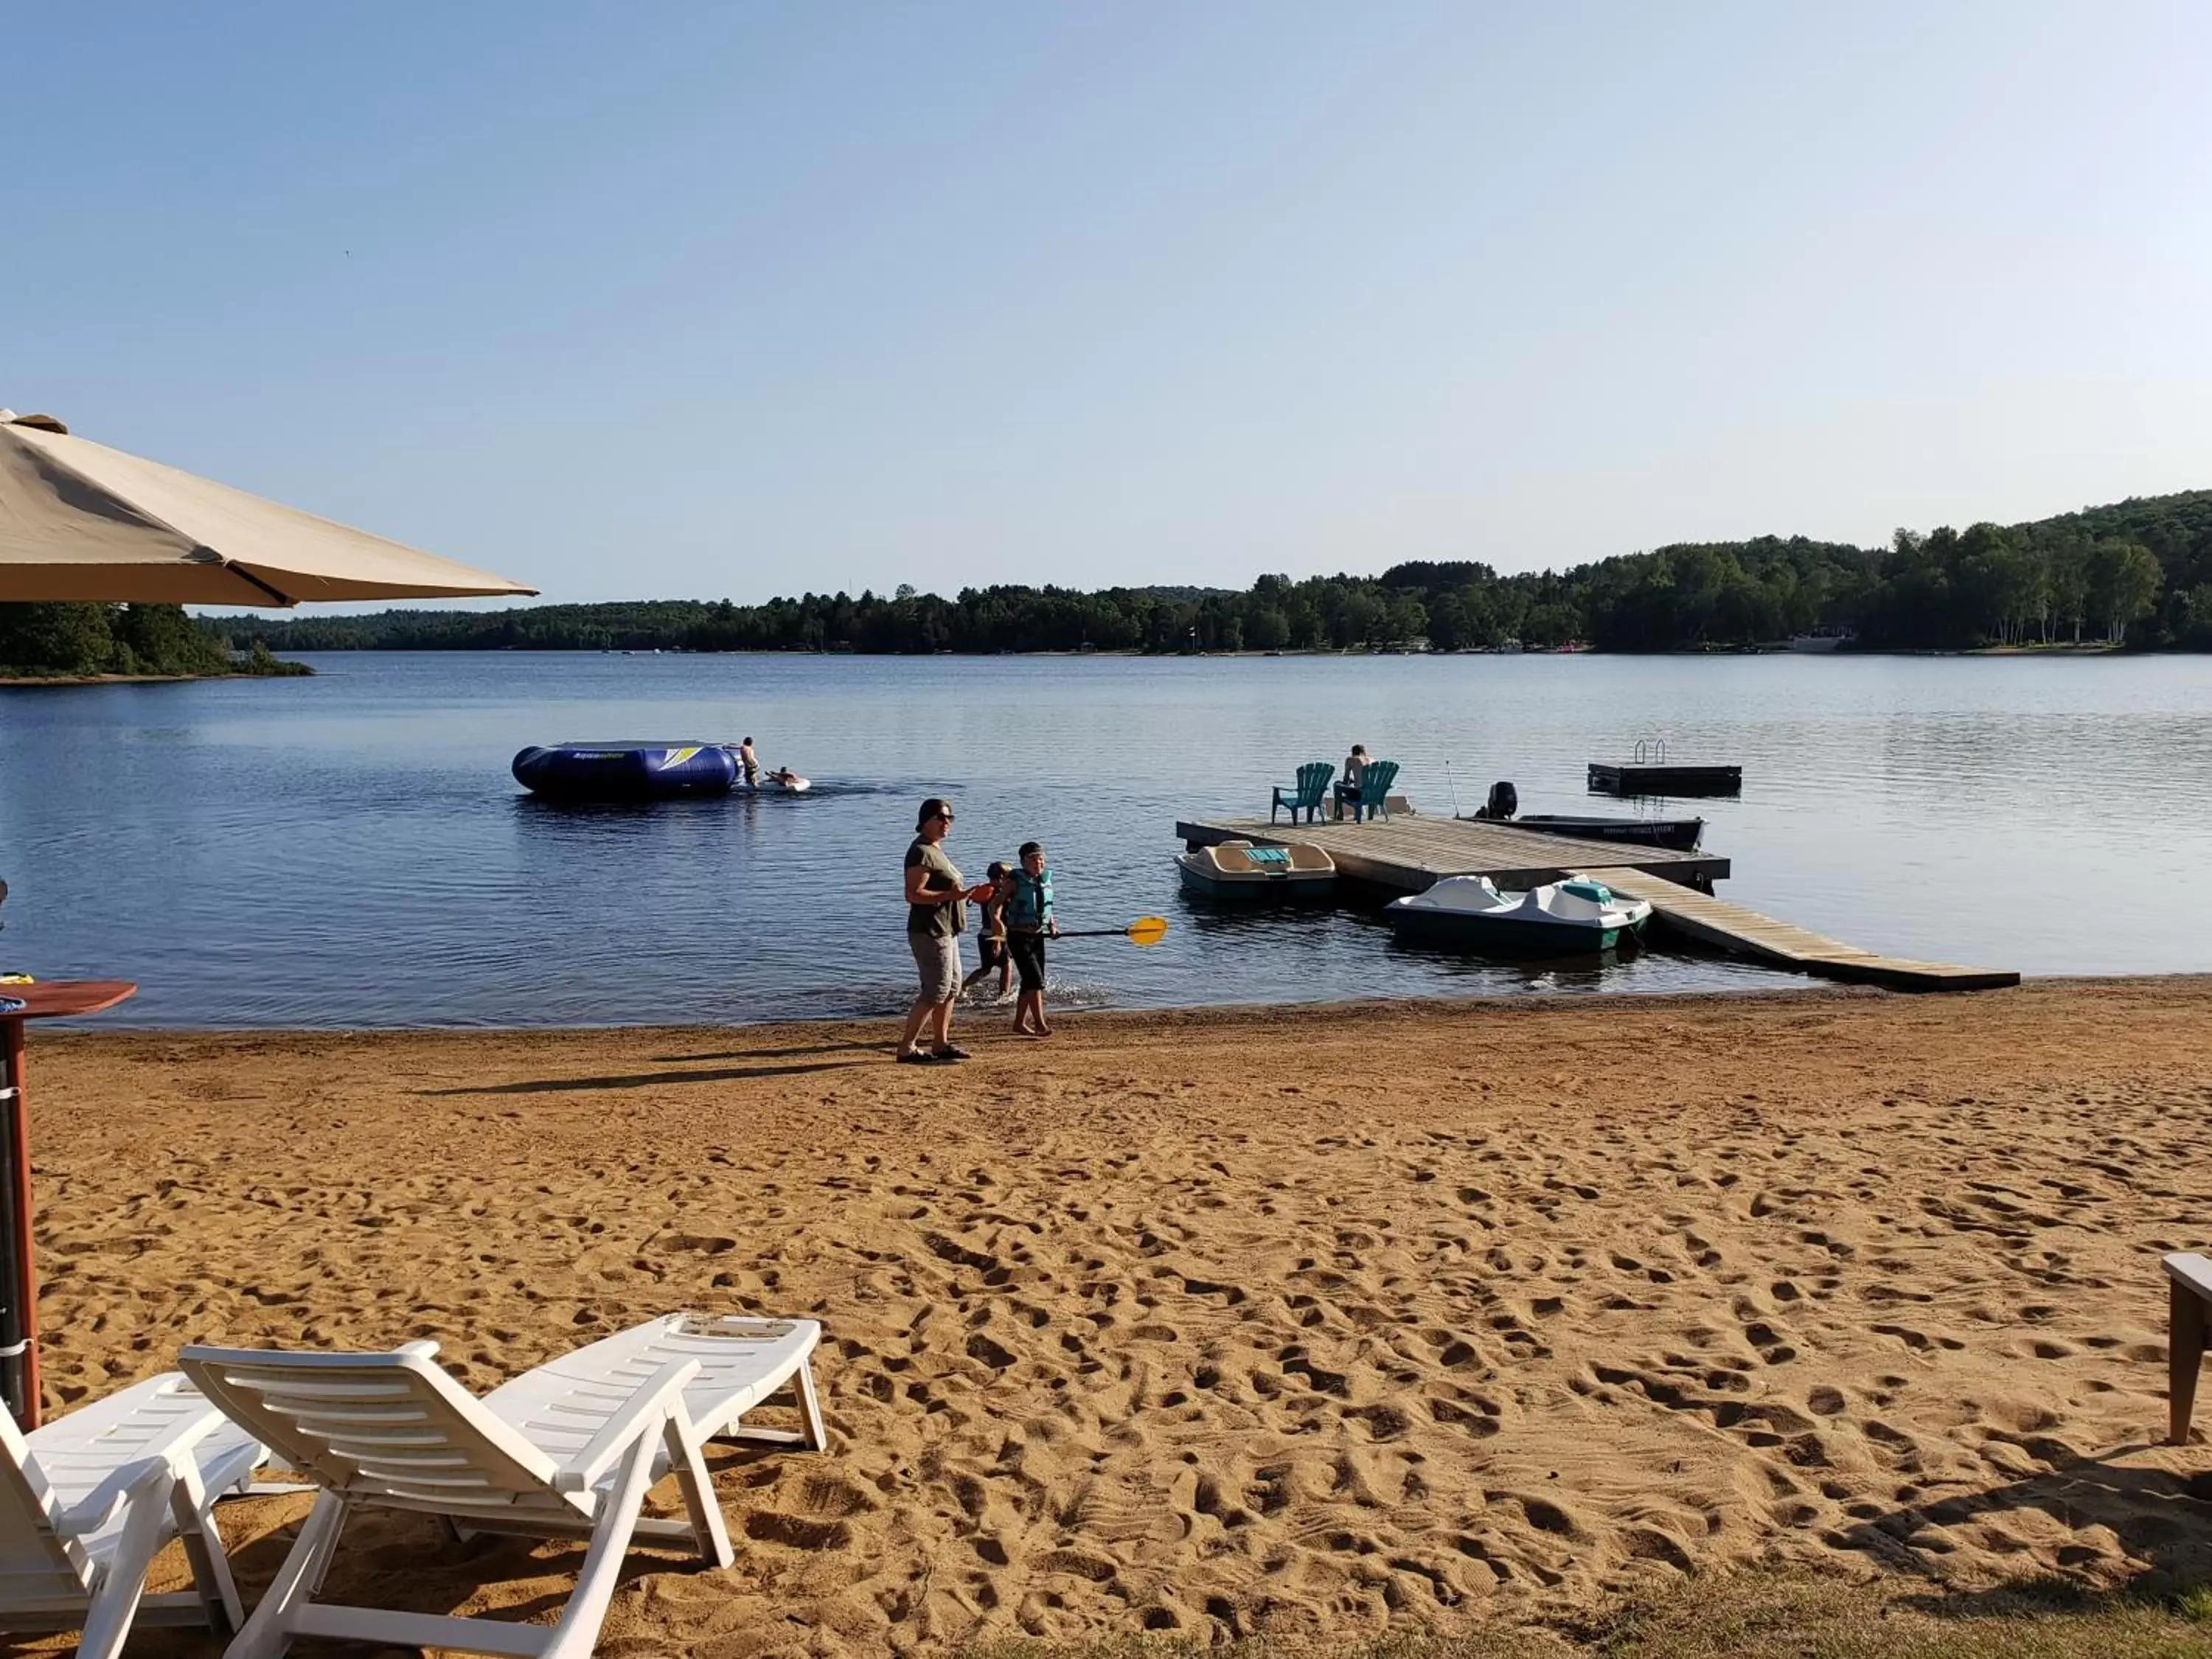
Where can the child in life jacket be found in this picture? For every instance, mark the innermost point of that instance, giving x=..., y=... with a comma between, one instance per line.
x=1029, y=923
x=991, y=939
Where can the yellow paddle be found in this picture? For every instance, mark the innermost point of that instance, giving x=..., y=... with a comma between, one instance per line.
x=1145, y=930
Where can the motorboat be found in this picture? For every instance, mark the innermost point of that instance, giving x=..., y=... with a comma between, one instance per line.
x=1565, y=918
x=1824, y=639
x=1503, y=807
x=1682, y=835
x=1243, y=870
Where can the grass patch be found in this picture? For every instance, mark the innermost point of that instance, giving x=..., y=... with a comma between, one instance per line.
x=2195, y=1604
x=1760, y=1615
x=1764, y=1615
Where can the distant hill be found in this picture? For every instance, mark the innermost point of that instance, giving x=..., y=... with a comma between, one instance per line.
x=2138, y=571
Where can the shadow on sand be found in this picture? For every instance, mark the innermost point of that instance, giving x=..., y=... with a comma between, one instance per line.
x=776, y=1053
x=556, y=1085
x=2161, y=1521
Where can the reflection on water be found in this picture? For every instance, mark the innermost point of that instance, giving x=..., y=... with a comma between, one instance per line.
x=1580, y=971
x=351, y=849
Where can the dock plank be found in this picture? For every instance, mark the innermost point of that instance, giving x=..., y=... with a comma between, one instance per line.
x=1743, y=932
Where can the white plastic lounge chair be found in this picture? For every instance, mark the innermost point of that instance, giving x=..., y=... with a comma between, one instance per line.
x=567, y=1451
x=742, y=1362
x=87, y=1500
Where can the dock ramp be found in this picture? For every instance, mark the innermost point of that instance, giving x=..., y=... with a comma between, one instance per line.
x=1744, y=933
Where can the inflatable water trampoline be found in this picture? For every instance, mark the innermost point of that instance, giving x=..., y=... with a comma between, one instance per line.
x=641, y=771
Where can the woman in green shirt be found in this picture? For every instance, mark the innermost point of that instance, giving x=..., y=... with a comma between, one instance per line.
x=936, y=897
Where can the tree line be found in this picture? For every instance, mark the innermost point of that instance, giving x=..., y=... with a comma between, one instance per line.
x=70, y=640
x=2137, y=572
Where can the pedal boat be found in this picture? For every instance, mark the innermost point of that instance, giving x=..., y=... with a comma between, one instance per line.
x=1572, y=917
x=1238, y=870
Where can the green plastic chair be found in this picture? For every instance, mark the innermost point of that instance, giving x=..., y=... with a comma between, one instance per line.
x=1375, y=780
x=1304, y=796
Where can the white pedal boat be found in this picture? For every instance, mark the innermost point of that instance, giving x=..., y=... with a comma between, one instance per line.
x=1239, y=869
x=1559, y=919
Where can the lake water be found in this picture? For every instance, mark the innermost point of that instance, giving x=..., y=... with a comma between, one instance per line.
x=350, y=850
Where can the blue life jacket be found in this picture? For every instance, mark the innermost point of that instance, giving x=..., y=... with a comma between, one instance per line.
x=1029, y=904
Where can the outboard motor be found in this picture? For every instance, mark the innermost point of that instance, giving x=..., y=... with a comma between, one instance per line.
x=1504, y=801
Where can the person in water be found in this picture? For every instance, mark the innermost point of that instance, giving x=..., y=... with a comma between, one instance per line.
x=1030, y=922
x=936, y=897
x=991, y=940
x=750, y=762
x=1347, y=787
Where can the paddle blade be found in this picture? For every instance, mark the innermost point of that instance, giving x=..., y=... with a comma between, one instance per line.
x=1148, y=930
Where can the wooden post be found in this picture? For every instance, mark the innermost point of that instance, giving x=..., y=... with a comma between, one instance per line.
x=19, y=1320
x=2184, y=1352
x=19, y=1283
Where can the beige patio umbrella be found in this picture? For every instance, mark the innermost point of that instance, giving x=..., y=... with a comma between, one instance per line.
x=79, y=520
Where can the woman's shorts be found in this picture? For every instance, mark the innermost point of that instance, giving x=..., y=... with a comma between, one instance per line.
x=938, y=961
x=1028, y=951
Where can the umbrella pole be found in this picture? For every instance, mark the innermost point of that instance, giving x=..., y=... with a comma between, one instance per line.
x=19, y=1293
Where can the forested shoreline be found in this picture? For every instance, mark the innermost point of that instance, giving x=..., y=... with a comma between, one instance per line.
x=2138, y=573
x=86, y=641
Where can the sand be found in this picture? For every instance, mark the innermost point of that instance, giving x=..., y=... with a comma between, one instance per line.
x=1317, y=1322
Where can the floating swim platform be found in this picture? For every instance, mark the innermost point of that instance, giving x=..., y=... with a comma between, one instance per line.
x=1632, y=779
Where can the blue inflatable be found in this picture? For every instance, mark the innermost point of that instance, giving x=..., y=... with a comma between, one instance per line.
x=626, y=771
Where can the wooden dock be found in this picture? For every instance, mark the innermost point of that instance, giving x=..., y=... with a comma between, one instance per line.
x=1744, y=933
x=1408, y=854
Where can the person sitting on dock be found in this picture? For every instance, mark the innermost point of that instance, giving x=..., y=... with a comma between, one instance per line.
x=1347, y=787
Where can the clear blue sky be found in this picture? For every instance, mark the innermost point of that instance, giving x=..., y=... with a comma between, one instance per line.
x=728, y=299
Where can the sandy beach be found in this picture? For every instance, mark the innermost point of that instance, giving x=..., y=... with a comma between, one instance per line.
x=1313, y=1322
